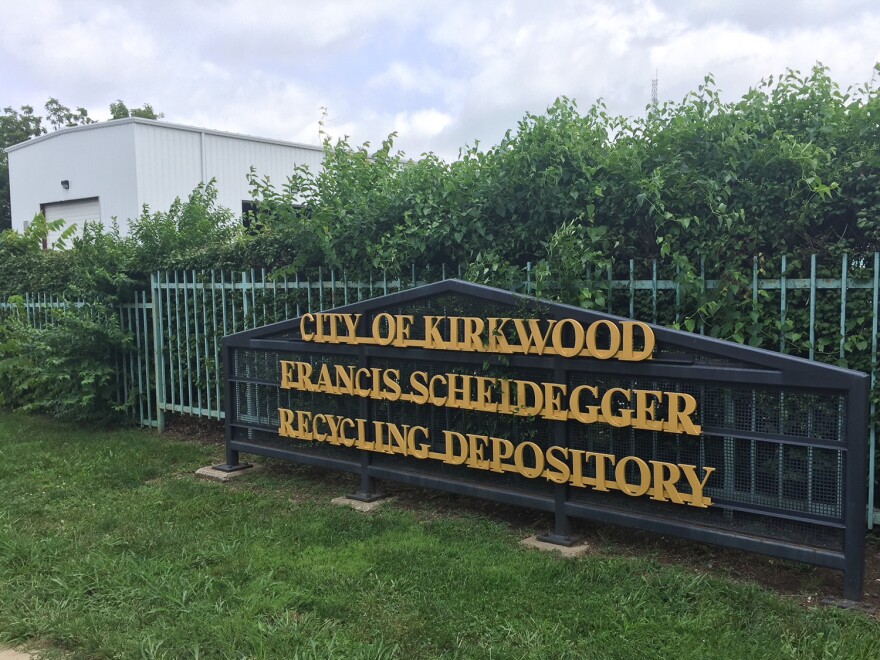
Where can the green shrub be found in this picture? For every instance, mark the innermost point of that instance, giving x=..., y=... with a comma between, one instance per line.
x=67, y=368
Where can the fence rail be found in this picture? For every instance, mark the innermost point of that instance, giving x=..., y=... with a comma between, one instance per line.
x=177, y=325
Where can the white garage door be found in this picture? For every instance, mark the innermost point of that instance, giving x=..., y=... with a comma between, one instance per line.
x=74, y=212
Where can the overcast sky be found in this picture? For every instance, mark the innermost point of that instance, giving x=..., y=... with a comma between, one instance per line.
x=441, y=74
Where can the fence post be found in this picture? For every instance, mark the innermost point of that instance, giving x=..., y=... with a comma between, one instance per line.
x=244, y=299
x=158, y=353
x=872, y=434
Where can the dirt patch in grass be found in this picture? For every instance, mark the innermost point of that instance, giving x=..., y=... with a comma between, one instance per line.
x=196, y=429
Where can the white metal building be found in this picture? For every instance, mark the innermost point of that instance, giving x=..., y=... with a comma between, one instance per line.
x=112, y=168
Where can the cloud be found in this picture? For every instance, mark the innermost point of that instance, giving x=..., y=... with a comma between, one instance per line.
x=441, y=75
x=420, y=125
x=285, y=110
x=410, y=78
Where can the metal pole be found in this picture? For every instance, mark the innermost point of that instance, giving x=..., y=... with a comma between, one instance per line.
x=158, y=353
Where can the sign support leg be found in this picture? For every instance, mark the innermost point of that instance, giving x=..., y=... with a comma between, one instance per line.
x=232, y=463
x=561, y=534
x=368, y=492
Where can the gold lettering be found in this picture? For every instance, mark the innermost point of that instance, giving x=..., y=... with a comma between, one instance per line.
x=613, y=344
x=553, y=393
x=458, y=391
x=362, y=443
x=519, y=460
x=501, y=449
x=666, y=475
x=307, y=334
x=483, y=395
x=358, y=384
x=303, y=421
x=418, y=382
x=403, y=325
x=628, y=351
x=325, y=383
x=320, y=437
x=644, y=476
x=433, y=338
x=577, y=345
x=351, y=324
x=399, y=438
x=391, y=379
x=423, y=450
x=601, y=460
x=646, y=415
x=285, y=420
x=344, y=439
x=563, y=471
x=432, y=394
x=591, y=413
x=473, y=329
x=523, y=409
x=565, y=337
x=624, y=415
x=532, y=336
x=697, y=485
x=453, y=457
x=577, y=467
x=287, y=369
x=477, y=446
x=344, y=379
x=681, y=406
x=497, y=338
x=378, y=337
x=303, y=376
x=557, y=464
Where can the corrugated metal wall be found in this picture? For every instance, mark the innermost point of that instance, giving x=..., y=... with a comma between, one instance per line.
x=230, y=159
x=172, y=161
x=168, y=165
x=97, y=162
x=129, y=163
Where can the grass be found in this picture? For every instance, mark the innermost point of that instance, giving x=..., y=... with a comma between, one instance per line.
x=110, y=548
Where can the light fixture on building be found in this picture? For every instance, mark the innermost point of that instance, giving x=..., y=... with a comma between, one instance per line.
x=65, y=184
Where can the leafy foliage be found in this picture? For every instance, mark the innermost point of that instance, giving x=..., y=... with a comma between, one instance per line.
x=191, y=234
x=66, y=369
x=60, y=116
x=120, y=110
x=15, y=126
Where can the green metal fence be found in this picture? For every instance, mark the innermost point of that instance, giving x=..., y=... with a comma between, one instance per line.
x=177, y=325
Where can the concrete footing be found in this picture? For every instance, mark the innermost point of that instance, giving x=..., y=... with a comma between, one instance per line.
x=357, y=505
x=842, y=603
x=212, y=473
x=566, y=551
x=12, y=654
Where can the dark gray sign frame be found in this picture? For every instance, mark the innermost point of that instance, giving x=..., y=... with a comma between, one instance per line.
x=731, y=365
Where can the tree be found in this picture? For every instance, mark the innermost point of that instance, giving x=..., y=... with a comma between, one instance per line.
x=15, y=126
x=60, y=116
x=119, y=110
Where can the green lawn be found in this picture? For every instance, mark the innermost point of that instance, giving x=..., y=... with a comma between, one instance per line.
x=109, y=547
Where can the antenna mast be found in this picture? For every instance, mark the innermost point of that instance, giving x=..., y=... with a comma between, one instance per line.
x=654, y=82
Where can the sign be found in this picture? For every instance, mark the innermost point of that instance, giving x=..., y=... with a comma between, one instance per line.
x=481, y=392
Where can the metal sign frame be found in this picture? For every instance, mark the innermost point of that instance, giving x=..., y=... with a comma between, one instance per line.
x=680, y=357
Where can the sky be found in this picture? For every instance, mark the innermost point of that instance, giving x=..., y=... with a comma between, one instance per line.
x=442, y=75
